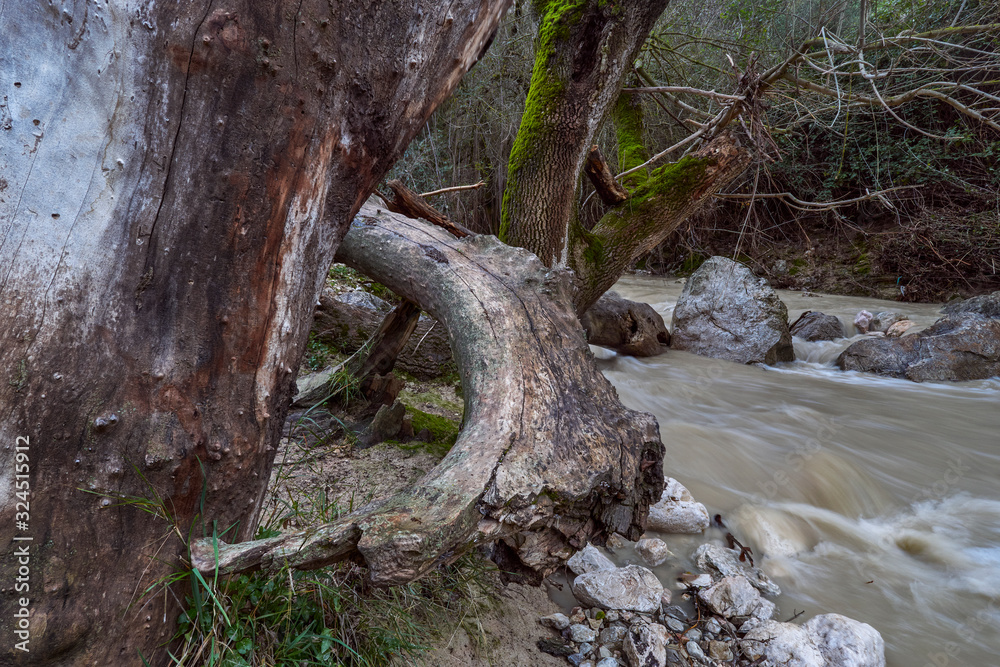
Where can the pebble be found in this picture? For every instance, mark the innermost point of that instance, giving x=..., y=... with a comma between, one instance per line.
x=712, y=627
x=720, y=651
x=675, y=625
x=613, y=634
x=694, y=634
x=582, y=633
x=607, y=662
x=694, y=651
x=555, y=621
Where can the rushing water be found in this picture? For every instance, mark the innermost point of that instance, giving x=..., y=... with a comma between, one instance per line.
x=871, y=497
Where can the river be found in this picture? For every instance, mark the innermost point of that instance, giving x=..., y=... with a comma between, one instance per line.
x=871, y=497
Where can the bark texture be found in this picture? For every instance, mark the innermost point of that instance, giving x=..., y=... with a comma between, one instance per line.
x=631, y=229
x=583, y=51
x=174, y=179
x=540, y=465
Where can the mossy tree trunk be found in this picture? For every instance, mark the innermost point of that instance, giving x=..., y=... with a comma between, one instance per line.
x=583, y=51
x=174, y=180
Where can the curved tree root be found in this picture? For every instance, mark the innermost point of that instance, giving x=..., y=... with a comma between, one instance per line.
x=548, y=457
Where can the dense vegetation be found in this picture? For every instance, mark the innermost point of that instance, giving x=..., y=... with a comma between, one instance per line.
x=934, y=230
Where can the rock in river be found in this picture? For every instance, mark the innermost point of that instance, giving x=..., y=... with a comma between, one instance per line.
x=727, y=312
x=813, y=326
x=631, y=588
x=677, y=512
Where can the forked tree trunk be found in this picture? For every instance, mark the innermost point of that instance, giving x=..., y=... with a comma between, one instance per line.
x=547, y=459
x=174, y=180
x=583, y=51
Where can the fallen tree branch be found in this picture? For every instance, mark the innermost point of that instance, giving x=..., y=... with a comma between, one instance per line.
x=454, y=188
x=813, y=205
x=410, y=204
x=548, y=457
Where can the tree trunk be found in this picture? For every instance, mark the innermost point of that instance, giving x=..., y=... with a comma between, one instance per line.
x=583, y=51
x=540, y=465
x=654, y=209
x=174, y=180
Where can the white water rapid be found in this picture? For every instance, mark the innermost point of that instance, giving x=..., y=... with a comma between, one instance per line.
x=871, y=497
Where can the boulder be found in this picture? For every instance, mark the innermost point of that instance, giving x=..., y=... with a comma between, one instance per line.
x=727, y=312
x=628, y=327
x=845, y=642
x=630, y=588
x=646, y=645
x=813, y=326
x=829, y=640
x=386, y=425
x=735, y=596
x=884, y=320
x=677, y=512
x=783, y=644
x=346, y=322
x=652, y=551
x=965, y=346
x=589, y=559
x=897, y=329
x=726, y=563
x=987, y=305
x=313, y=388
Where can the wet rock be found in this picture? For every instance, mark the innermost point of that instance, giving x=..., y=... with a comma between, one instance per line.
x=735, y=596
x=646, y=645
x=884, y=320
x=695, y=651
x=665, y=598
x=628, y=327
x=727, y=312
x=813, y=326
x=897, y=329
x=862, y=321
x=824, y=641
x=693, y=580
x=845, y=642
x=675, y=624
x=607, y=662
x=613, y=634
x=581, y=634
x=987, y=305
x=677, y=512
x=589, y=559
x=726, y=563
x=555, y=621
x=958, y=347
x=631, y=588
x=652, y=551
x=783, y=644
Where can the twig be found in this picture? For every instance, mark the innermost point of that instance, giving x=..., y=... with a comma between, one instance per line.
x=456, y=188
x=814, y=205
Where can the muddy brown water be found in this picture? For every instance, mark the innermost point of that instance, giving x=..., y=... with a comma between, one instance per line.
x=871, y=497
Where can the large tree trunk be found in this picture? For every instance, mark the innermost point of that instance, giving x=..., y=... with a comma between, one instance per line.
x=174, y=180
x=583, y=51
x=547, y=458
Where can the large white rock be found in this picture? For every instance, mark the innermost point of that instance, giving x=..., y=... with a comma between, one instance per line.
x=830, y=640
x=589, y=559
x=727, y=312
x=784, y=644
x=630, y=588
x=726, y=563
x=845, y=642
x=677, y=512
x=646, y=645
x=735, y=596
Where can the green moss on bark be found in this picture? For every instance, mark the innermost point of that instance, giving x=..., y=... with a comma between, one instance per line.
x=627, y=114
x=546, y=91
x=671, y=186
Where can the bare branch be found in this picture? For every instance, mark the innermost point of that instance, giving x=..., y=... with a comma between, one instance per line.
x=456, y=188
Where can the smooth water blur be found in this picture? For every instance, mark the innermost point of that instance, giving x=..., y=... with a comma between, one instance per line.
x=871, y=497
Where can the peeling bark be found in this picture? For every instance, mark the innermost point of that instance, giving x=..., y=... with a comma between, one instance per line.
x=176, y=177
x=540, y=466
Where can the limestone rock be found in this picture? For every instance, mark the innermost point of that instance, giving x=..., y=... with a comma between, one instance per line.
x=582, y=633
x=589, y=559
x=646, y=645
x=653, y=551
x=813, y=326
x=735, y=596
x=629, y=327
x=897, y=329
x=862, y=321
x=783, y=644
x=958, y=347
x=726, y=563
x=630, y=588
x=987, y=305
x=677, y=512
x=845, y=642
x=555, y=621
x=727, y=312
x=882, y=321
